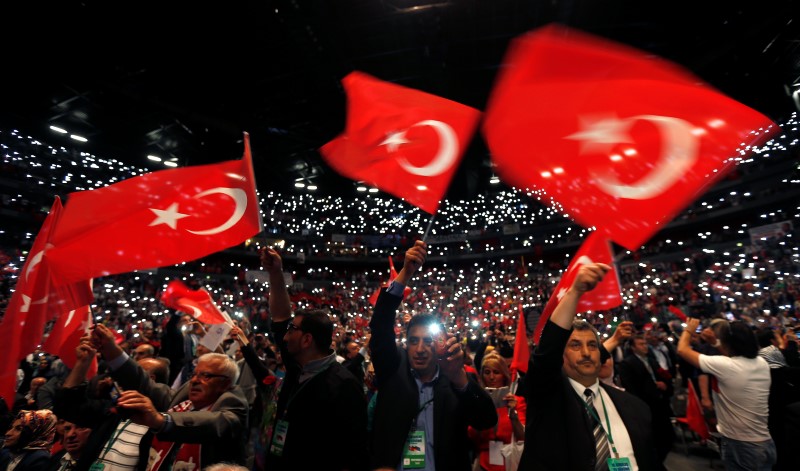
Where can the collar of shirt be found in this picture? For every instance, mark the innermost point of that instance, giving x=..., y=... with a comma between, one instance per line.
x=579, y=388
x=316, y=366
x=419, y=381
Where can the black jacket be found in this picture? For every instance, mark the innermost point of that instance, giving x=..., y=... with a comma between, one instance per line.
x=327, y=418
x=558, y=434
x=398, y=401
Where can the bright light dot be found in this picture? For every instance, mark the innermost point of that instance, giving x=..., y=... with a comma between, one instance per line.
x=547, y=174
x=615, y=157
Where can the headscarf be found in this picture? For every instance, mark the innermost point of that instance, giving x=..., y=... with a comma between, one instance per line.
x=38, y=429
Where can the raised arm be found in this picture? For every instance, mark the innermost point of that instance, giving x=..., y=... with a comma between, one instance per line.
x=685, y=350
x=280, y=306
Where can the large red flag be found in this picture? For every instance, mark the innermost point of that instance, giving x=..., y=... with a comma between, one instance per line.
x=66, y=335
x=161, y=218
x=392, y=275
x=622, y=140
x=406, y=142
x=521, y=351
x=604, y=296
x=34, y=302
x=197, y=303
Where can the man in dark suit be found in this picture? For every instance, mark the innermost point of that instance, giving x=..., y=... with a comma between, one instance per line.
x=425, y=400
x=563, y=430
x=638, y=376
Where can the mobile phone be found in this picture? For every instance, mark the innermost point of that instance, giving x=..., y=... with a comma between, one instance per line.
x=115, y=392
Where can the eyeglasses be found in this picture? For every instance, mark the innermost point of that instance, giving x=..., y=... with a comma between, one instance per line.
x=293, y=326
x=206, y=377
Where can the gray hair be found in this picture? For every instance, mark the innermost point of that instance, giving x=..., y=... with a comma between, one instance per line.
x=225, y=467
x=582, y=325
x=229, y=367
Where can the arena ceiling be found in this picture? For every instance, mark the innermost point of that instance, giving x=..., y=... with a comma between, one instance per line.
x=183, y=80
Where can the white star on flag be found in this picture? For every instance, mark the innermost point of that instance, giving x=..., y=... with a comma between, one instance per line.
x=167, y=216
x=600, y=134
x=393, y=140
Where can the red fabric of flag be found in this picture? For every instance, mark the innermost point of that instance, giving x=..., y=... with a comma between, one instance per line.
x=197, y=303
x=617, y=138
x=403, y=141
x=392, y=275
x=521, y=351
x=678, y=313
x=161, y=218
x=694, y=418
x=604, y=296
x=66, y=335
x=35, y=301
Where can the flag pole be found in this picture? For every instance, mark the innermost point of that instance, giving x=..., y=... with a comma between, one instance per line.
x=428, y=230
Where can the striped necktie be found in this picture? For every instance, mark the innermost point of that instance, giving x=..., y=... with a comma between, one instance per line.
x=600, y=440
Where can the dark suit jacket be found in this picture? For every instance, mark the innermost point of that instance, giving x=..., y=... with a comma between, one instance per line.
x=398, y=401
x=558, y=433
x=37, y=460
x=637, y=380
x=221, y=431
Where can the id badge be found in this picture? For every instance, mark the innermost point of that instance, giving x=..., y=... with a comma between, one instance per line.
x=97, y=466
x=495, y=453
x=619, y=464
x=279, y=437
x=414, y=456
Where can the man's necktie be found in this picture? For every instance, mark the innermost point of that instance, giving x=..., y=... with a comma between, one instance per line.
x=600, y=440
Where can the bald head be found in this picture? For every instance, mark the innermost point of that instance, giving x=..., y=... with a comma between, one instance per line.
x=157, y=368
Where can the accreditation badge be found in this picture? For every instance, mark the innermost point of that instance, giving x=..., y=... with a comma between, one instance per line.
x=414, y=456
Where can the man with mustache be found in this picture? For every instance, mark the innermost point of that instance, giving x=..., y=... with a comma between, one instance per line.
x=573, y=420
x=424, y=392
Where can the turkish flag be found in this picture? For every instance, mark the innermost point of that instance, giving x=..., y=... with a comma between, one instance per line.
x=694, y=418
x=197, y=303
x=403, y=141
x=620, y=139
x=66, y=335
x=604, y=296
x=678, y=313
x=521, y=350
x=35, y=301
x=157, y=219
x=392, y=275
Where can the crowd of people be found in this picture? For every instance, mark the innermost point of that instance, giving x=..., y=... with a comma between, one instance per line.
x=333, y=366
x=448, y=344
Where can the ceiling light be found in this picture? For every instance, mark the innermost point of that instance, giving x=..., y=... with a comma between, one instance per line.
x=299, y=185
x=311, y=187
x=78, y=138
x=422, y=187
x=494, y=180
x=171, y=164
x=361, y=188
x=154, y=158
x=373, y=190
x=58, y=129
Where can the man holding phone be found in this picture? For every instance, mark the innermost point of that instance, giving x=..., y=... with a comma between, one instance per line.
x=423, y=392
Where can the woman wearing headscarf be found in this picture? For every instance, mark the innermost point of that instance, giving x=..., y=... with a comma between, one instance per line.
x=494, y=377
x=28, y=441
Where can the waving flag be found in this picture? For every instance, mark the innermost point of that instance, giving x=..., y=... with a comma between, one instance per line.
x=34, y=302
x=521, y=350
x=392, y=275
x=604, y=296
x=406, y=142
x=161, y=218
x=197, y=303
x=66, y=335
x=622, y=140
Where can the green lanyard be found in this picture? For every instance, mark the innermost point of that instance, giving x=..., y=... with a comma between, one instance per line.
x=592, y=412
x=114, y=439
